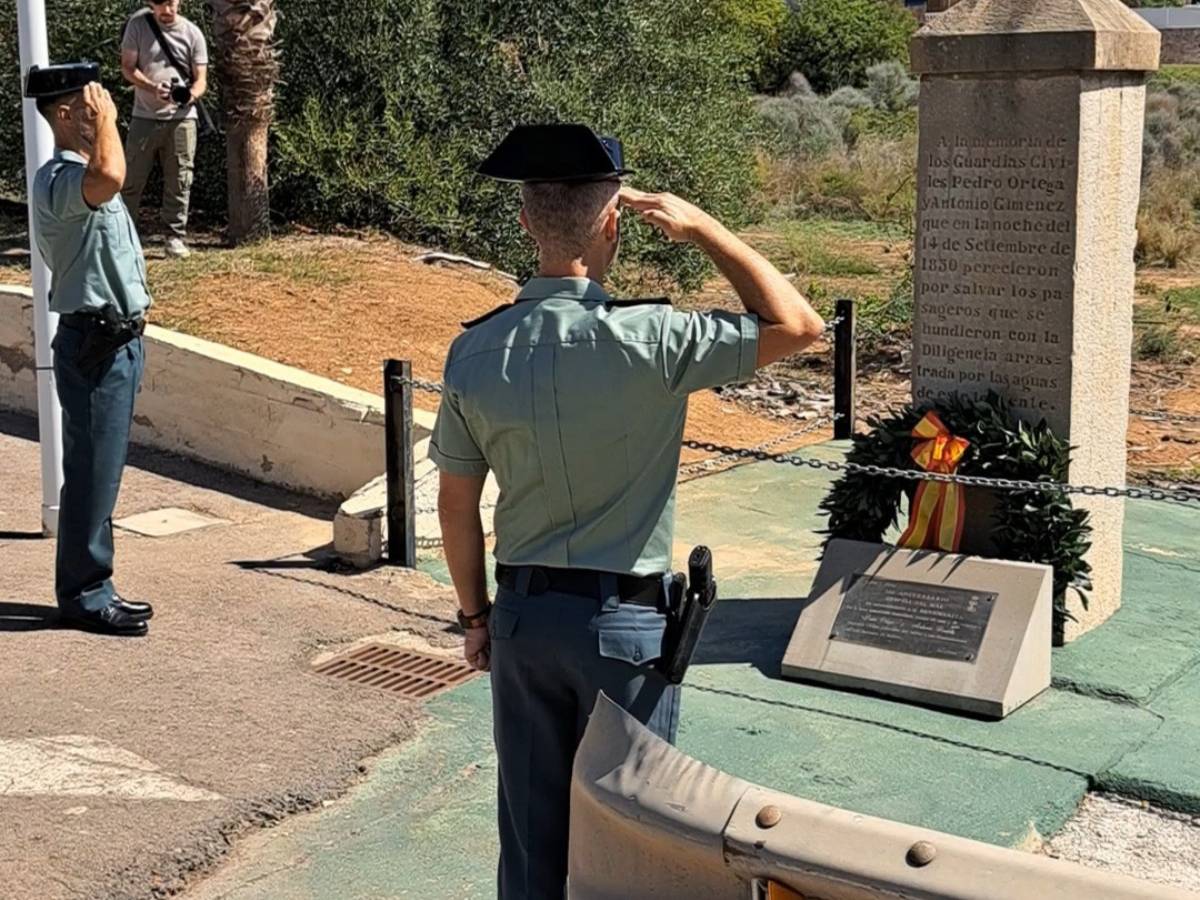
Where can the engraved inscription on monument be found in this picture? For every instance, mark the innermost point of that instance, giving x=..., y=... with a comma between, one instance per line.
x=994, y=270
x=921, y=619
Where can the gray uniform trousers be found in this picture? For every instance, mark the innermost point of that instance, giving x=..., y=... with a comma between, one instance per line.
x=551, y=655
x=97, y=414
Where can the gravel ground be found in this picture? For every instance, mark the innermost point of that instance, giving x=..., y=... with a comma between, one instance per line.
x=1142, y=841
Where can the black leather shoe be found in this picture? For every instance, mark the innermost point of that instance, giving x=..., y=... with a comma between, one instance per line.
x=135, y=608
x=110, y=620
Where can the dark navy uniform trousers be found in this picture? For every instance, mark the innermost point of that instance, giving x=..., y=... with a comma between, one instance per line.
x=97, y=414
x=552, y=654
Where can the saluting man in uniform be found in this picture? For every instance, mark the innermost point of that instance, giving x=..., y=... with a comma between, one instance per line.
x=98, y=288
x=576, y=402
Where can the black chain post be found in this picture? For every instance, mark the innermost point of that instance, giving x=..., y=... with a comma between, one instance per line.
x=398, y=424
x=844, y=370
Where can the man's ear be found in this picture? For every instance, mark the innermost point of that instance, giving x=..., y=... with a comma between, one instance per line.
x=612, y=223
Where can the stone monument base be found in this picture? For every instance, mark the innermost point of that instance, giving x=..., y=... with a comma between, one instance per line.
x=942, y=629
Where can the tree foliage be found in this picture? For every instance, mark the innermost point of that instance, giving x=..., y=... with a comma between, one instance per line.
x=386, y=107
x=834, y=42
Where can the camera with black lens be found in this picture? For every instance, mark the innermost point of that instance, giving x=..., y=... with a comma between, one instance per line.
x=181, y=93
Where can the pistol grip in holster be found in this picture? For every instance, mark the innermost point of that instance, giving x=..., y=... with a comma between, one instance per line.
x=686, y=619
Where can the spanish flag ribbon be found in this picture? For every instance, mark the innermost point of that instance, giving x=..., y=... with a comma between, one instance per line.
x=935, y=520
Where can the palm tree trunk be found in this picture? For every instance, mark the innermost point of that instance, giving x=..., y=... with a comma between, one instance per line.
x=247, y=71
x=247, y=180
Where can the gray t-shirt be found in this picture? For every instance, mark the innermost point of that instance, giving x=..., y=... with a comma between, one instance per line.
x=188, y=44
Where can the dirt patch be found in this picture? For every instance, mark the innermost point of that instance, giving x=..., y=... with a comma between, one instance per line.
x=338, y=307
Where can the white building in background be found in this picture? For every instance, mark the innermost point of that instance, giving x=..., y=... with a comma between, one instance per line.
x=1180, y=27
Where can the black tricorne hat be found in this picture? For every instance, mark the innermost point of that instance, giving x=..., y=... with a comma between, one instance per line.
x=533, y=153
x=44, y=82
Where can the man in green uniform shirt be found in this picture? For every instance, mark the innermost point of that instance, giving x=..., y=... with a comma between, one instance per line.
x=98, y=288
x=576, y=402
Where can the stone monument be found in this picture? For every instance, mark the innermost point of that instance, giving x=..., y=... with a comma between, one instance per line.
x=1031, y=115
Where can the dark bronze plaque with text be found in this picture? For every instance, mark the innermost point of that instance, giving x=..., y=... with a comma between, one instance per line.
x=910, y=617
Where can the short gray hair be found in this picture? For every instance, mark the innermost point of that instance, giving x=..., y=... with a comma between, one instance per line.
x=565, y=218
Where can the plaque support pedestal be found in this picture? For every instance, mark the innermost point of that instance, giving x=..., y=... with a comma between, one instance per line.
x=941, y=629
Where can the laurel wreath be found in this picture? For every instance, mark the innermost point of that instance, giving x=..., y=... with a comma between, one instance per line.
x=1028, y=526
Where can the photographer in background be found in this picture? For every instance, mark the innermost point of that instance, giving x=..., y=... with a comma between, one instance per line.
x=165, y=57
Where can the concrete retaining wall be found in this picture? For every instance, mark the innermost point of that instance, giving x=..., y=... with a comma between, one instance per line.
x=229, y=409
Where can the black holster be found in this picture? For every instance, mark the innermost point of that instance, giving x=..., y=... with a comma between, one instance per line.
x=104, y=339
x=688, y=609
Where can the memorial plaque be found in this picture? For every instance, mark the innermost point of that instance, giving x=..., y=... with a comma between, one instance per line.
x=922, y=619
x=942, y=629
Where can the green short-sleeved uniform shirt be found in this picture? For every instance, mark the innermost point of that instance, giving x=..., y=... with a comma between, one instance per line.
x=577, y=402
x=94, y=255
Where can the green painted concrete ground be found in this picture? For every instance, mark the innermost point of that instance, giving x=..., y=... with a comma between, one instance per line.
x=1124, y=715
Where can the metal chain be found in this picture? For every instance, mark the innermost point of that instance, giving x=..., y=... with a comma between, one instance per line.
x=1003, y=484
x=1165, y=415
x=422, y=510
x=760, y=454
x=705, y=465
x=833, y=323
x=430, y=387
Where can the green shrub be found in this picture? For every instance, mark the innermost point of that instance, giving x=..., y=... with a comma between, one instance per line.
x=804, y=127
x=756, y=31
x=1184, y=302
x=834, y=42
x=1157, y=343
x=878, y=123
x=386, y=107
x=390, y=135
x=1170, y=75
x=850, y=98
x=890, y=88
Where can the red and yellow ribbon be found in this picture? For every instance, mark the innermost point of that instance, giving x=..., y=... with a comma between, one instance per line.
x=935, y=520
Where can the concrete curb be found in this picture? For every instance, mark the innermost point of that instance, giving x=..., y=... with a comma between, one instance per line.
x=227, y=408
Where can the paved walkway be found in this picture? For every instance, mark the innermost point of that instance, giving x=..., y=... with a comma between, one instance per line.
x=126, y=766
x=1123, y=716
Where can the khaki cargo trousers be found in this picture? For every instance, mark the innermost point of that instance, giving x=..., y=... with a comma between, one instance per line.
x=172, y=144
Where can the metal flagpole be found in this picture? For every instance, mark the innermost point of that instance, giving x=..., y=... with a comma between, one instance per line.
x=39, y=145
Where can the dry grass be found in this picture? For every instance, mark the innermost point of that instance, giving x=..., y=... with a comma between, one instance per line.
x=1166, y=224
x=874, y=181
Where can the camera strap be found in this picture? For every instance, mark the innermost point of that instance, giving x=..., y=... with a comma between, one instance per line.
x=184, y=73
x=168, y=52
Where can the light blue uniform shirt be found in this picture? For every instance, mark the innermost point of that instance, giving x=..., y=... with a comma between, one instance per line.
x=577, y=402
x=94, y=255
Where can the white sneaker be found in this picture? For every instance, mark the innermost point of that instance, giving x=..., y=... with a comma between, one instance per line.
x=177, y=249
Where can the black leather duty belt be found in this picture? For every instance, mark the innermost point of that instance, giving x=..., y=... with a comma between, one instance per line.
x=86, y=321
x=633, y=589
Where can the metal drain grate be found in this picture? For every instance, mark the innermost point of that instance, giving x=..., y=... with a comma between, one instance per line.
x=408, y=673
